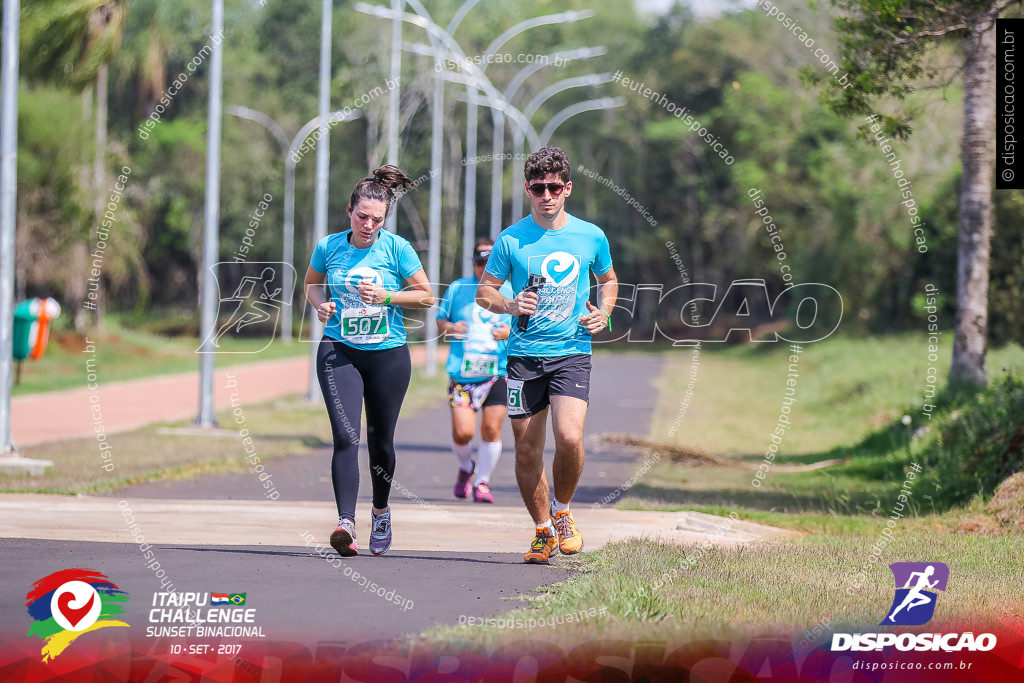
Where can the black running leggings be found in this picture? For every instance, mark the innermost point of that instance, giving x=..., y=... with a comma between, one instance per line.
x=347, y=377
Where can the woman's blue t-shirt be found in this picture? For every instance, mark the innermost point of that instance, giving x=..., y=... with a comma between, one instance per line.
x=388, y=262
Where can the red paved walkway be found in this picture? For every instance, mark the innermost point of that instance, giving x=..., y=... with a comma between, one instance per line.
x=120, y=406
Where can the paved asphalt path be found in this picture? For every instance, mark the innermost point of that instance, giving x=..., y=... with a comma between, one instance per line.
x=622, y=399
x=295, y=592
x=298, y=594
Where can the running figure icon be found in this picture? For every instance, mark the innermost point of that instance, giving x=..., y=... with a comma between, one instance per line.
x=249, y=311
x=915, y=597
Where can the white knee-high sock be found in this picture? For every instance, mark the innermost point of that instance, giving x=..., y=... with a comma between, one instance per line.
x=487, y=454
x=465, y=455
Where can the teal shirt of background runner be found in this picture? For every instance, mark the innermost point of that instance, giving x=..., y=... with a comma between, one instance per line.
x=565, y=257
x=459, y=303
x=388, y=261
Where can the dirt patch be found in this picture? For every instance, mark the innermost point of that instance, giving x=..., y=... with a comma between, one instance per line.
x=695, y=457
x=979, y=524
x=677, y=454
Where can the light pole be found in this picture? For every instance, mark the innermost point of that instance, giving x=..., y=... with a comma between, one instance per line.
x=443, y=44
x=397, y=6
x=578, y=108
x=323, y=148
x=513, y=87
x=289, y=150
x=211, y=228
x=531, y=108
x=8, y=215
x=498, y=117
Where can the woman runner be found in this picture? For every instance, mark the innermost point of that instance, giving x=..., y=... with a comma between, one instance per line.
x=363, y=355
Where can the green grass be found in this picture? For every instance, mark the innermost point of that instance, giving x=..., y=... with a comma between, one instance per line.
x=851, y=395
x=130, y=352
x=847, y=388
x=669, y=593
x=288, y=426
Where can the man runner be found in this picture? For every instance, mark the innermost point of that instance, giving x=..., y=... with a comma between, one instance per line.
x=549, y=364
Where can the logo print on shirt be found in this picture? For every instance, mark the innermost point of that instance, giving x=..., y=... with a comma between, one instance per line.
x=557, y=298
x=479, y=337
x=482, y=316
x=567, y=268
x=357, y=275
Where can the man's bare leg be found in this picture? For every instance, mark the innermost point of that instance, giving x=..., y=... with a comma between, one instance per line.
x=533, y=484
x=567, y=417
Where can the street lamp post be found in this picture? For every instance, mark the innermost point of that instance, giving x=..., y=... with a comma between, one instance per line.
x=289, y=150
x=211, y=229
x=397, y=6
x=499, y=118
x=323, y=148
x=443, y=44
x=531, y=108
x=513, y=87
x=578, y=108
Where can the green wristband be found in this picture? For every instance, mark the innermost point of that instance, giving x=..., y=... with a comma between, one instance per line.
x=609, y=318
x=387, y=299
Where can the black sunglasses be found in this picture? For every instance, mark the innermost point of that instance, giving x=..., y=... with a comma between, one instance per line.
x=537, y=189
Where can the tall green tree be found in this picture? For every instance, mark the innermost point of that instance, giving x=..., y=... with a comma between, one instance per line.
x=71, y=43
x=886, y=46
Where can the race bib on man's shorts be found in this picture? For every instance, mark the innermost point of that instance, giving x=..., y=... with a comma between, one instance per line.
x=515, y=397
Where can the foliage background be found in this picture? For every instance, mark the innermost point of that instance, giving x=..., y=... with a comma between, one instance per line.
x=828, y=189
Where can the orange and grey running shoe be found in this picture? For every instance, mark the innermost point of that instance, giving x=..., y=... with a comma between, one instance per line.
x=569, y=539
x=544, y=544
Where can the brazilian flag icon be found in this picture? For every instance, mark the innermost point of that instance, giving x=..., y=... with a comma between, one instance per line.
x=237, y=598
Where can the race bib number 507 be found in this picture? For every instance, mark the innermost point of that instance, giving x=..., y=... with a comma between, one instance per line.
x=367, y=325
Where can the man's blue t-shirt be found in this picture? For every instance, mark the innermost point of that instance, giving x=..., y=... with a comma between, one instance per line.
x=565, y=257
x=388, y=262
x=477, y=356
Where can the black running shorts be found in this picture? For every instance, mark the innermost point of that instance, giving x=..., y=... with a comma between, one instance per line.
x=532, y=381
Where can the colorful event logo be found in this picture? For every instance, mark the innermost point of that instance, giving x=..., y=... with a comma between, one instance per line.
x=914, y=603
x=71, y=602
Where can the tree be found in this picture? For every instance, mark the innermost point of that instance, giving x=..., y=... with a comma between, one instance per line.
x=71, y=43
x=885, y=49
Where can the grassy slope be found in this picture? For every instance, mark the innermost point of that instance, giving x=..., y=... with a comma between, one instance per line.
x=848, y=389
x=742, y=388
x=655, y=592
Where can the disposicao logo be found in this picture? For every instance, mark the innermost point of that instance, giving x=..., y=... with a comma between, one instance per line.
x=914, y=602
x=69, y=603
x=913, y=605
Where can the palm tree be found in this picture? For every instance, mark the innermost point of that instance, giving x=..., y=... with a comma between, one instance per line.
x=71, y=43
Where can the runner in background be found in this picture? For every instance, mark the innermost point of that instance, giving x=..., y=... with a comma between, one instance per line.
x=476, y=367
x=363, y=354
x=549, y=363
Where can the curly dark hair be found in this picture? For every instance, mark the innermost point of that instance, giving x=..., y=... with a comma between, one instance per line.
x=547, y=160
x=382, y=185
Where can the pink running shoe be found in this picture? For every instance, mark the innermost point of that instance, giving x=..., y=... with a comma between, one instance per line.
x=462, y=483
x=482, y=493
x=344, y=538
